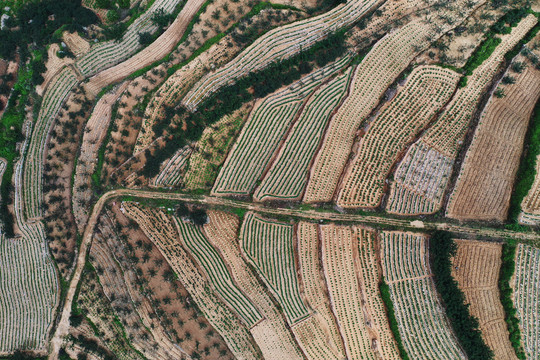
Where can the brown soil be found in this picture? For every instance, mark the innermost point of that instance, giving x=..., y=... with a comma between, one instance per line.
x=170, y=301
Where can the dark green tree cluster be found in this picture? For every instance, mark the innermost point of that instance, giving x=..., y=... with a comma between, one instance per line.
x=385, y=295
x=35, y=23
x=256, y=85
x=507, y=271
x=197, y=215
x=442, y=248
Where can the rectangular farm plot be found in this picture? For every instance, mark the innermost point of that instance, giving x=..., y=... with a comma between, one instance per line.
x=271, y=334
x=427, y=90
x=422, y=323
x=351, y=272
x=287, y=176
x=484, y=185
x=264, y=130
x=268, y=245
x=476, y=267
x=526, y=285
x=210, y=260
x=320, y=338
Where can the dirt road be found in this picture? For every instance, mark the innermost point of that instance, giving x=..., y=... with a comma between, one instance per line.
x=63, y=326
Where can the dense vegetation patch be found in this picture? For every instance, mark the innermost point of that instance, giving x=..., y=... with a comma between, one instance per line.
x=527, y=167
x=507, y=271
x=385, y=295
x=466, y=328
x=230, y=98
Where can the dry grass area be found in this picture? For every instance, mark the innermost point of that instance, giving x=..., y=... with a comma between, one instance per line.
x=426, y=91
x=59, y=161
x=351, y=271
x=476, y=267
x=484, y=185
x=159, y=228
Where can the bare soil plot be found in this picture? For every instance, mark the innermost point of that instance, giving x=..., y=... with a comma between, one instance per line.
x=76, y=44
x=54, y=66
x=476, y=267
x=484, y=185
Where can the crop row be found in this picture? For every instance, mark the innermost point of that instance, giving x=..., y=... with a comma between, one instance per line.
x=527, y=297
x=263, y=131
x=271, y=333
x=382, y=65
x=287, y=176
x=106, y=54
x=350, y=267
x=484, y=185
x=446, y=135
x=33, y=168
x=161, y=231
x=422, y=324
x=476, y=267
x=427, y=90
x=173, y=168
x=269, y=247
x=388, y=58
x=318, y=336
x=211, y=262
x=278, y=44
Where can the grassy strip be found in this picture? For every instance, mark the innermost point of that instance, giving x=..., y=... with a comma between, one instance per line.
x=507, y=271
x=466, y=328
x=527, y=168
x=385, y=295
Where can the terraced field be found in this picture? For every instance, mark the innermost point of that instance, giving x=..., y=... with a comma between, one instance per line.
x=260, y=137
x=526, y=285
x=422, y=324
x=287, y=176
x=427, y=90
x=423, y=175
x=269, y=247
x=476, y=268
x=277, y=45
